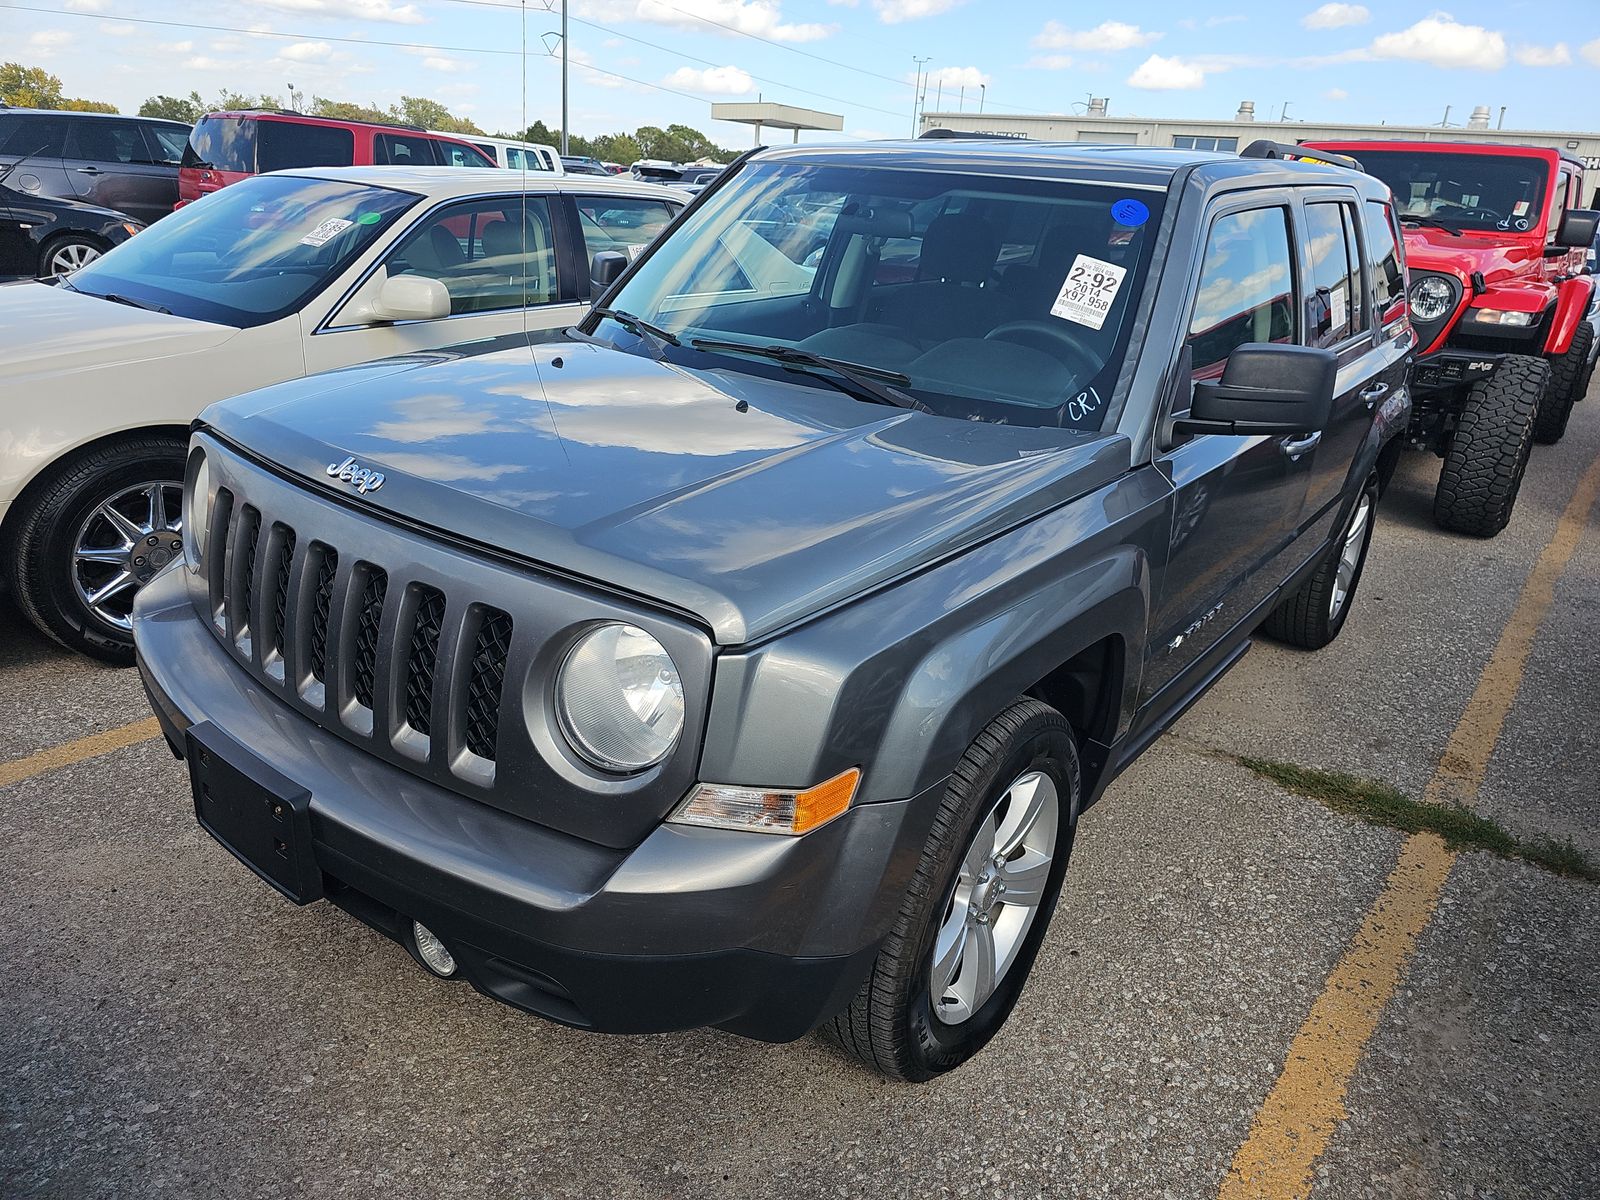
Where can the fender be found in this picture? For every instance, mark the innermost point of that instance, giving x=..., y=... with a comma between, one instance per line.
x=900, y=683
x=1572, y=303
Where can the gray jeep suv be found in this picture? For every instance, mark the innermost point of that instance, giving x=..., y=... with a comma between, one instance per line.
x=746, y=656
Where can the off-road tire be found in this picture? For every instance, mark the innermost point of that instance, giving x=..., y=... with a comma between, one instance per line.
x=889, y=1026
x=1489, y=451
x=38, y=547
x=1304, y=617
x=1569, y=378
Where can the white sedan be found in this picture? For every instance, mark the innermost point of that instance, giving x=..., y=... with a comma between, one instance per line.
x=276, y=277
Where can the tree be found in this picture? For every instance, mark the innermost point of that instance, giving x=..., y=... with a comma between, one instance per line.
x=234, y=101
x=430, y=114
x=173, y=108
x=34, y=87
x=347, y=110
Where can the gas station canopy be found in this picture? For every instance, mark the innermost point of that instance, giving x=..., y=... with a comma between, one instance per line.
x=779, y=116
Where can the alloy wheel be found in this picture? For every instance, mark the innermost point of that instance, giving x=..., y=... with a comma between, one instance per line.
x=1002, y=882
x=122, y=543
x=1355, y=539
x=64, y=260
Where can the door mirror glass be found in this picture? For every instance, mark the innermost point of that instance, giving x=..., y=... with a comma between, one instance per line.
x=1266, y=388
x=410, y=298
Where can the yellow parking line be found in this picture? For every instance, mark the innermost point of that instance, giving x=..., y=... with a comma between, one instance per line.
x=1300, y=1114
x=71, y=752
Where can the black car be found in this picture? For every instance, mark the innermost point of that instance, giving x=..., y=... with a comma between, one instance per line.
x=44, y=235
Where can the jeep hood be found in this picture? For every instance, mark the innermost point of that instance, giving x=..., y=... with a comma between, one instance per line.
x=49, y=331
x=1500, y=257
x=746, y=502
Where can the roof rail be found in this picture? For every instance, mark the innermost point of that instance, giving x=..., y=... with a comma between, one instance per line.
x=1267, y=148
x=969, y=135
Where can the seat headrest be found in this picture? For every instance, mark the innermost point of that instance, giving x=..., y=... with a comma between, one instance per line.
x=501, y=240
x=959, y=248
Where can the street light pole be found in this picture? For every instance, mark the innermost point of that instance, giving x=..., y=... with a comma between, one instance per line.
x=564, y=122
x=916, y=92
x=983, y=91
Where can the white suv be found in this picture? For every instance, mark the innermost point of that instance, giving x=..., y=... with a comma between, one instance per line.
x=273, y=278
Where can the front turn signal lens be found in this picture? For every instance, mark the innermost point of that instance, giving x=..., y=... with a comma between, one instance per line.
x=764, y=810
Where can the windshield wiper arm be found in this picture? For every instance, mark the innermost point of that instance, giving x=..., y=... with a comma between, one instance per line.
x=128, y=300
x=873, y=384
x=640, y=327
x=1431, y=224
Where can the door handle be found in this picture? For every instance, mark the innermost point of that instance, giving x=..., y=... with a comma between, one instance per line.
x=1373, y=392
x=88, y=170
x=1294, y=447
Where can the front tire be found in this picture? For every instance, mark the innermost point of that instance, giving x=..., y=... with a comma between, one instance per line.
x=1489, y=452
x=1569, y=378
x=1312, y=615
x=81, y=547
x=955, y=961
x=64, y=255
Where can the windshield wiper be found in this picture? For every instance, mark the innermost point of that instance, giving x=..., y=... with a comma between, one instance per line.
x=640, y=328
x=128, y=300
x=1431, y=223
x=866, y=382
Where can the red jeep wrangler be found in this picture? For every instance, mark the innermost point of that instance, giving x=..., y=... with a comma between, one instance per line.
x=1496, y=245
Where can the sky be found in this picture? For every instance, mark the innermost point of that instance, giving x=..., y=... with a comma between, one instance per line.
x=637, y=62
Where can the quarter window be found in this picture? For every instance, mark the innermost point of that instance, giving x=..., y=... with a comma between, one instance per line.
x=489, y=254
x=1246, y=291
x=41, y=137
x=625, y=224
x=1334, y=303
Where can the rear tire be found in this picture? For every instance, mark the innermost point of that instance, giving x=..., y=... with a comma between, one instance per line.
x=891, y=1025
x=1489, y=452
x=1569, y=378
x=1312, y=615
x=51, y=579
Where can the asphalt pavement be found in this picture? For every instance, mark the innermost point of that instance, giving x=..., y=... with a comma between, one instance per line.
x=169, y=1027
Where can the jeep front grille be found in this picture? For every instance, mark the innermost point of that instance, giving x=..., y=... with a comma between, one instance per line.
x=484, y=681
x=422, y=657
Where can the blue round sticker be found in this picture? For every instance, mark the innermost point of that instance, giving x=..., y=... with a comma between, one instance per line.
x=1131, y=213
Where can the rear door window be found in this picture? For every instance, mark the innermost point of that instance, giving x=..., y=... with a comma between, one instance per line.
x=93, y=140
x=287, y=144
x=1246, y=290
x=222, y=144
x=399, y=150
x=1333, y=300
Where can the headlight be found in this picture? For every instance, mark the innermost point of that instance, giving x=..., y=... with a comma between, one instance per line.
x=1430, y=298
x=619, y=698
x=196, y=508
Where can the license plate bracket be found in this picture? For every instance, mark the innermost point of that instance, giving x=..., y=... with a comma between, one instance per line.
x=259, y=815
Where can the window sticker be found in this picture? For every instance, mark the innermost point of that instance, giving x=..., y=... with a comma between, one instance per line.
x=1089, y=291
x=369, y=218
x=326, y=232
x=635, y=249
x=1131, y=213
x=1340, y=307
x=1521, y=210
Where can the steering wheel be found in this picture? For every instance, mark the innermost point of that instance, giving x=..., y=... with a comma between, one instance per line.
x=1054, y=338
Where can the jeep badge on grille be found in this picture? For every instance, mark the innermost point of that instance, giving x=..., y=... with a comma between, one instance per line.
x=350, y=471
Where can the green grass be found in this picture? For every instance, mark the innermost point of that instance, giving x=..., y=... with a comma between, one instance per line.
x=1379, y=804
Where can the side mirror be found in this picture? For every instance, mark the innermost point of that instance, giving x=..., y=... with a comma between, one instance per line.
x=606, y=268
x=1265, y=388
x=409, y=298
x=1577, y=229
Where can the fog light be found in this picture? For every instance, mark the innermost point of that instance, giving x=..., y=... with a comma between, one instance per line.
x=432, y=951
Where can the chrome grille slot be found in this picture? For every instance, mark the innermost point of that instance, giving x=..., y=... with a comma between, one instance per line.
x=422, y=657
x=217, y=541
x=280, y=556
x=486, y=676
x=364, y=668
x=327, y=567
x=241, y=576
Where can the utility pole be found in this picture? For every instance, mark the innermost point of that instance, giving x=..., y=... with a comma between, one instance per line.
x=1445, y=124
x=564, y=122
x=1284, y=115
x=961, y=104
x=983, y=91
x=916, y=92
x=1501, y=124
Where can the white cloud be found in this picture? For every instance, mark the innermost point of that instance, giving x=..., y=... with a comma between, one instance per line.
x=1544, y=56
x=763, y=18
x=1336, y=16
x=1441, y=41
x=87, y=6
x=306, y=52
x=1336, y=94
x=719, y=81
x=895, y=12
x=202, y=62
x=1110, y=35
x=1159, y=74
x=358, y=10
x=175, y=47
x=953, y=77
x=441, y=62
x=117, y=29
x=46, y=42
x=1591, y=52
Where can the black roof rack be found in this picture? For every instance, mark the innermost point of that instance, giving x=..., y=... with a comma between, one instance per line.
x=969, y=135
x=1267, y=148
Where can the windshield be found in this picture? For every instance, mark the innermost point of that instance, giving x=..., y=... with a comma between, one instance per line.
x=988, y=298
x=1466, y=191
x=250, y=253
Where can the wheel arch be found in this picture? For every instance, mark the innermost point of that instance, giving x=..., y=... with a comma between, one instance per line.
x=1571, y=307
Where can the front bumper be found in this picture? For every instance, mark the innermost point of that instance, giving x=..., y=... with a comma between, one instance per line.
x=761, y=935
x=1454, y=368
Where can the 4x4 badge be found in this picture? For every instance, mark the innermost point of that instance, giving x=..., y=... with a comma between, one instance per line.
x=352, y=472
